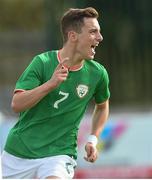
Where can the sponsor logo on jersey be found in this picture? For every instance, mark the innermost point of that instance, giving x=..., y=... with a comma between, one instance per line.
x=82, y=90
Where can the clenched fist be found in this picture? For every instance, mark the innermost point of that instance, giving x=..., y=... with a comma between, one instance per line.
x=91, y=151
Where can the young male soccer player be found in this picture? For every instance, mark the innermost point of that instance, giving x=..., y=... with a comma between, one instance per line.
x=51, y=96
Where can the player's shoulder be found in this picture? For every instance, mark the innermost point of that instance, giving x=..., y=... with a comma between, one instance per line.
x=46, y=56
x=96, y=65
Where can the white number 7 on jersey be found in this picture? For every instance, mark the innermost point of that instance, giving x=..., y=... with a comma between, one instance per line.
x=65, y=96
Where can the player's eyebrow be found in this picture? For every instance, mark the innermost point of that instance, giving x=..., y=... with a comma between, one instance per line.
x=94, y=29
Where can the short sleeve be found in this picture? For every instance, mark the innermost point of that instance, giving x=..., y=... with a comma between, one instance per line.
x=102, y=92
x=32, y=76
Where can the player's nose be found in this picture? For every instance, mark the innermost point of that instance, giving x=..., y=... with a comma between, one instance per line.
x=99, y=37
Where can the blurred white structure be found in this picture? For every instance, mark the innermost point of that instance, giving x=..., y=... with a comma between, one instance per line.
x=6, y=122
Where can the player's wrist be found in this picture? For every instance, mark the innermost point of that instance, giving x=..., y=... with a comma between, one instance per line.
x=92, y=139
x=52, y=84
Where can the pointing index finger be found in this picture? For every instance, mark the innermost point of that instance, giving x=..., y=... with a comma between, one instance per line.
x=64, y=63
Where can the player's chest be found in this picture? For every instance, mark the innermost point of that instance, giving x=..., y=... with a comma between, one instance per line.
x=76, y=89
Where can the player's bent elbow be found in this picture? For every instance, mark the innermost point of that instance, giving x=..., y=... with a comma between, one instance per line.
x=15, y=108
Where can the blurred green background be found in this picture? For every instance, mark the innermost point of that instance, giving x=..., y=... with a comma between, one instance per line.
x=29, y=27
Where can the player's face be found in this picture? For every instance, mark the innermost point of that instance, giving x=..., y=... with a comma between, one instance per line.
x=89, y=38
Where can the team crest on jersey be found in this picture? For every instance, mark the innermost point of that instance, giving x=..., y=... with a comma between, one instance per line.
x=82, y=90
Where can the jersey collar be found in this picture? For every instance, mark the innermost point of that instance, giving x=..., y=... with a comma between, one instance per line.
x=73, y=68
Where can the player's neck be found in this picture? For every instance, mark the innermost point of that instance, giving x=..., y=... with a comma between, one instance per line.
x=75, y=62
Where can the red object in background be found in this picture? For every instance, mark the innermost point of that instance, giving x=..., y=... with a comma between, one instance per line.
x=114, y=172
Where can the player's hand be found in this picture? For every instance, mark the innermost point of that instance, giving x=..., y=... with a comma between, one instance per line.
x=91, y=151
x=60, y=74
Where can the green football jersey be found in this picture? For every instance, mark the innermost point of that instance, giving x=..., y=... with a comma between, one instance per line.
x=51, y=126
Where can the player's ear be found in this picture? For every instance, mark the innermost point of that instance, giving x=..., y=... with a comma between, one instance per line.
x=72, y=36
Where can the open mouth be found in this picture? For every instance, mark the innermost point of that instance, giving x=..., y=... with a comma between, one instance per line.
x=93, y=48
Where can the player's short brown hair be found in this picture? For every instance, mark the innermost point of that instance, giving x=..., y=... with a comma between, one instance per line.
x=73, y=20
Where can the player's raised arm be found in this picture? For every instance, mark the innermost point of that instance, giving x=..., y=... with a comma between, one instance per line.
x=26, y=99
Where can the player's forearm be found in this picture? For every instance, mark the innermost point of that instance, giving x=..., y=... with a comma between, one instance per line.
x=27, y=99
x=100, y=116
